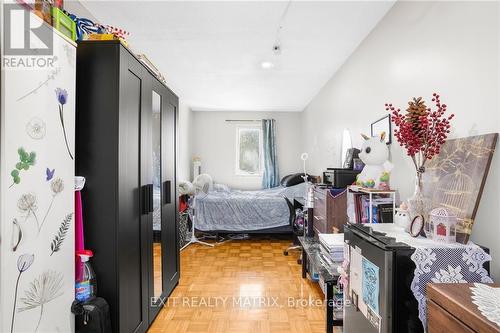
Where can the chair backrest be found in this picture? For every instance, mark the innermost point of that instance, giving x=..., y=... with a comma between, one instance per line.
x=291, y=209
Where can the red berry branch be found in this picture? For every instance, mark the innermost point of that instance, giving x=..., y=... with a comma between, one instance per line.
x=420, y=130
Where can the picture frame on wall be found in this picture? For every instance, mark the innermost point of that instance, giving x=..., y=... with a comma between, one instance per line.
x=383, y=124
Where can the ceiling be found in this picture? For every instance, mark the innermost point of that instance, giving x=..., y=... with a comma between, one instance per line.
x=211, y=52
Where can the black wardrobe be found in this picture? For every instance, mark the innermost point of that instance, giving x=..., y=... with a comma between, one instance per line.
x=125, y=147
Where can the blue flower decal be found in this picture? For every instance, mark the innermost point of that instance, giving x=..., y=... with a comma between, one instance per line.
x=62, y=96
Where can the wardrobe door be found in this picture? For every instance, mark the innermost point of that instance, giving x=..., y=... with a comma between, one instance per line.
x=169, y=208
x=156, y=238
x=134, y=195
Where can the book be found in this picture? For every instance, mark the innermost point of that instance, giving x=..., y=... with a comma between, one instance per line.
x=362, y=208
x=385, y=213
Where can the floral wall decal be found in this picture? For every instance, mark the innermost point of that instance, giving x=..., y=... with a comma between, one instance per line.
x=36, y=128
x=45, y=288
x=23, y=263
x=26, y=160
x=36, y=123
x=17, y=235
x=55, y=246
x=57, y=186
x=49, y=174
x=62, y=98
x=28, y=205
x=51, y=76
x=70, y=55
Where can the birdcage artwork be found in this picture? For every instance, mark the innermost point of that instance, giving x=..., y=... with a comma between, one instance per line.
x=455, y=178
x=454, y=192
x=444, y=224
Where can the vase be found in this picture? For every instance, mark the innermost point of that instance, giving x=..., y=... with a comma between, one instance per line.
x=420, y=205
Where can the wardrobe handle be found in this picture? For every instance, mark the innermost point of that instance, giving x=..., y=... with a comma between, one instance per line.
x=145, y=199
x=151, y=206
x=168, y=192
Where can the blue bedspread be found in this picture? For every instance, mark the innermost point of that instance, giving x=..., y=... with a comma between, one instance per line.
x=234, y=210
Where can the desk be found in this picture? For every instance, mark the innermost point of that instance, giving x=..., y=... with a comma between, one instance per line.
x=310, y=257
x=450, y=307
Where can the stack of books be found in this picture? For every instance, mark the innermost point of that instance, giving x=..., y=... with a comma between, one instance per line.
x=331, y=257
x=382, y=209
x=332, y=246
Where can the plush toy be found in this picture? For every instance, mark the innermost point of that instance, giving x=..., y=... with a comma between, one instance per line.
x=377, y=170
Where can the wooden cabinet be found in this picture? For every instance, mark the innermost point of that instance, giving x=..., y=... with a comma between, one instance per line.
x=330, y=212
x=125, y=147
x=450, y=309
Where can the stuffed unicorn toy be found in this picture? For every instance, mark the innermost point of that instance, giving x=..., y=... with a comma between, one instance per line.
x=375, y=154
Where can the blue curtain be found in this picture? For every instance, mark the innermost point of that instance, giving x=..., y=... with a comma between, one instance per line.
x=271, y=176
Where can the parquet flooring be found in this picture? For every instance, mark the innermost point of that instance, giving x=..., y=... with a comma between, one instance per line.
x=242, y=286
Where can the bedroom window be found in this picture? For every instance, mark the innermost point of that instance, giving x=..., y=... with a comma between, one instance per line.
x=249, y=151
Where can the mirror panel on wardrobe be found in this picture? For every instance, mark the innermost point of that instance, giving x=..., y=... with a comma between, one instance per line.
x=157, y=195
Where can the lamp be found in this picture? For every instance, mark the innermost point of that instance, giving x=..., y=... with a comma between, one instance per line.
x=304, y=157
x=309, y=194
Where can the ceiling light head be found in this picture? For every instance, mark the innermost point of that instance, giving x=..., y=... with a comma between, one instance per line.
x=266, y=65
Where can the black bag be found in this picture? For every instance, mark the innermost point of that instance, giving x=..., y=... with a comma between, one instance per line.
x=92, y=316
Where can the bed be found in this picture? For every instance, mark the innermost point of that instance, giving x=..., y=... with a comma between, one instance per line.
x=235, y=211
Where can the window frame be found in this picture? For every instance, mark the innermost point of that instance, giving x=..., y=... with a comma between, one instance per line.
x=238, y=171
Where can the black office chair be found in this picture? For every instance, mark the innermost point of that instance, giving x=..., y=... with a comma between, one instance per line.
x=297, y=230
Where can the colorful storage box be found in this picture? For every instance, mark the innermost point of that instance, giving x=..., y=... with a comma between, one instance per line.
x=101, y=37
x=63, y=23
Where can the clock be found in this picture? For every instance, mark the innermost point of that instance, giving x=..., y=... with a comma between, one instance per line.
x=417, y=225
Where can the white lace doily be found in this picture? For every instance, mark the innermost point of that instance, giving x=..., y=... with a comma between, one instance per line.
x=439, y=263
x=487, y=300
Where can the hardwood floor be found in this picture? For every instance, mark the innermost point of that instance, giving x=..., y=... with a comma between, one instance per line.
x=242, y=286
x=157, y=277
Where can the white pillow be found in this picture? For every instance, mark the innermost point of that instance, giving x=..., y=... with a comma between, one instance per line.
x=221, y=188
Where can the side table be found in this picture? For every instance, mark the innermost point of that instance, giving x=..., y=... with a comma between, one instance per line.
x=311, y=258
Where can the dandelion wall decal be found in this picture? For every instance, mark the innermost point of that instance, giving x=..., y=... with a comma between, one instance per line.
x=45, y=288
x=62, y=98
x=57, y=186
x=27, y=205
x=23, y=263
x=36, y=128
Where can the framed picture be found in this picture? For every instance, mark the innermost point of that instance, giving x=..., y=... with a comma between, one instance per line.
x=383, y=125
x=455, y=178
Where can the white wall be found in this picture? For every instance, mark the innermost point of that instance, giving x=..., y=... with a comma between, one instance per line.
x=184, y=142
x=418, y=48
x=78, y=8
x=214, y=140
